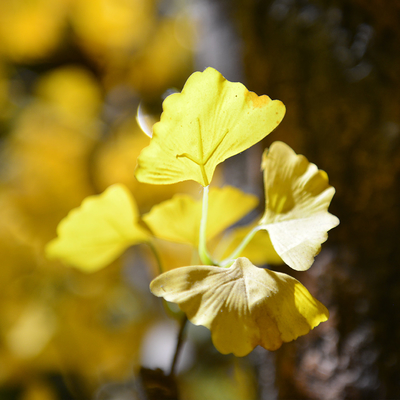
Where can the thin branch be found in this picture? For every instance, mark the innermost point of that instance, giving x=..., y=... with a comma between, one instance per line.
x=178, y=345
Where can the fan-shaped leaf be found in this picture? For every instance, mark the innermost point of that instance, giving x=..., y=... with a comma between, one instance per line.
x=243, y=306
x=211, y=120
x=98, y=231
x=297, y=199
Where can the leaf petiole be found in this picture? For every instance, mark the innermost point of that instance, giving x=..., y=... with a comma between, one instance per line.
x=203, y=252
x=235, y=254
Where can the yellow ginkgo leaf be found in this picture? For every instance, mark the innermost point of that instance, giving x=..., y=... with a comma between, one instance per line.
x=178, y=219
x=96, y=233
x=243, y=306
x=210, y=121
x=297, y=197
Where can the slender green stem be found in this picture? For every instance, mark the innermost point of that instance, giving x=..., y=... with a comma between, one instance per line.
x=203, y=252
x=240, y=248
x=178, y=345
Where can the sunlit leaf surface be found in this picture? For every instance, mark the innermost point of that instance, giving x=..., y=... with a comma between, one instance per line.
x=211, y=120
x=97, y=232
x=178, y=219
x=243, y=306
x=297, y=199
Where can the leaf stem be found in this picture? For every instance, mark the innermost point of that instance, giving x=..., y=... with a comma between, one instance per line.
x=203, y=252
x=178, y=345
x=225, y=263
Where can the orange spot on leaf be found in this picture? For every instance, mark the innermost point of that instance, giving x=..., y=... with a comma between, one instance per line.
x=258, y=101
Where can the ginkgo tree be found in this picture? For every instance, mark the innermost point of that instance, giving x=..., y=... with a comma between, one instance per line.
x=243, y=305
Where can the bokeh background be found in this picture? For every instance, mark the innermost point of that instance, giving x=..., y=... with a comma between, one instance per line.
x=72, y=74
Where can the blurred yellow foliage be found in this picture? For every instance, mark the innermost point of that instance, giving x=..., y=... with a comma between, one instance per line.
x=49, y=146
x=178, y=219
x=100, y=230
x=73, y=91
x=56, y=150
x=110, y=28
x=165, y=58
x=31, y=29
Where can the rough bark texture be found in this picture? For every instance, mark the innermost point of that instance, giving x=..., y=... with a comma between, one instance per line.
x=336, y=67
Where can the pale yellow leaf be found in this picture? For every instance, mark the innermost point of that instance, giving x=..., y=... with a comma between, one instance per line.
x=297, y=195
x=243, y=306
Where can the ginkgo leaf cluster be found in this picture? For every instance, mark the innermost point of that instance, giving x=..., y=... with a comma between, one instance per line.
x=243, y=305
